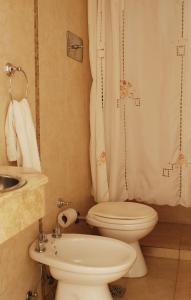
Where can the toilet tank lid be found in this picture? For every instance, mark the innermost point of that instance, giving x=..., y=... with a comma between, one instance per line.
x=122, y=210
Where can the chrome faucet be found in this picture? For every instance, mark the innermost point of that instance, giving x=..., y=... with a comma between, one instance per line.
x=41, y=239
x=40, y=245
x=61, y=203
x=57, y=230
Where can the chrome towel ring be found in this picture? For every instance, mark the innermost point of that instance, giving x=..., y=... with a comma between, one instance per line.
x=10, y=71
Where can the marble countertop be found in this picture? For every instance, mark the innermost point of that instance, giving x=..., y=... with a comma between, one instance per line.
x=21, y=207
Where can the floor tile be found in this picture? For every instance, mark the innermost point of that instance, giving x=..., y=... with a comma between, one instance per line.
x=183, y=287
x=158, y=284
x=185, y=240
x=185, y=254
x=164, y=235
x=161, y=252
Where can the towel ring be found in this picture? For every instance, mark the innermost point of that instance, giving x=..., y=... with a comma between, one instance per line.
x=10, y=71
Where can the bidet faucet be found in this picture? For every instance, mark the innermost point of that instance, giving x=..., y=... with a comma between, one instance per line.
x=42, y=236
x=40, y=245
x=57, y=231
x=61, y=203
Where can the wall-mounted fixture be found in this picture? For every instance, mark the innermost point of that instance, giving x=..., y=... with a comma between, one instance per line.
x=10, y=70
x=31, y=295
x=74, y=46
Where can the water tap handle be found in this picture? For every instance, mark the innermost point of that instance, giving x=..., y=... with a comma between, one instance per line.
x=31, y=295
x=61, y=203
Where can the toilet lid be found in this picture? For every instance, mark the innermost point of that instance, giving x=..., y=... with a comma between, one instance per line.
x=122, y=210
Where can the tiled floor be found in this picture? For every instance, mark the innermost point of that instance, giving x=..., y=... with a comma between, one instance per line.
x=169, y=276
x=167, y=279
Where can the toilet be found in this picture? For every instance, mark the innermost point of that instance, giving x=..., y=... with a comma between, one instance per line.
x=125, y=221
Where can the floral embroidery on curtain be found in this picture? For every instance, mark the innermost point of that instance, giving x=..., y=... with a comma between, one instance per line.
x=102, y=158
x=127, y=90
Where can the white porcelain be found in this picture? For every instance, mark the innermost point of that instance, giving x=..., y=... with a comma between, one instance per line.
x=128, y=222
x=85, y=264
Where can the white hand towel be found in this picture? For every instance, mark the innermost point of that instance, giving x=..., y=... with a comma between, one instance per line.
x=20, y=135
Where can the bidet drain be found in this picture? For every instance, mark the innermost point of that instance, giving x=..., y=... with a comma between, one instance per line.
x=117, y=291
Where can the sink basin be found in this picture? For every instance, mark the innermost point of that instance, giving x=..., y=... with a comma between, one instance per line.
x=10, y=183
x=84, y=264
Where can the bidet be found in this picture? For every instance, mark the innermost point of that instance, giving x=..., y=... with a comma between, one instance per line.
x=85, y=264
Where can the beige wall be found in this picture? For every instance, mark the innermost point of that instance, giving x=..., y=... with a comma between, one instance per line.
x=64, y=104
x=64, y=115
x=17, y=272
x=17, y=41
x=174, y=214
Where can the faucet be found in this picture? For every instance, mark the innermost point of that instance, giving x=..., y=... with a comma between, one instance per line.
x=57, y=230
x=40, y=244
x=42, y=236
x=61, y=203
x=41, y=239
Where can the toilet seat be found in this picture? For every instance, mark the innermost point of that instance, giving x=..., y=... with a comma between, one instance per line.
x=122, y=213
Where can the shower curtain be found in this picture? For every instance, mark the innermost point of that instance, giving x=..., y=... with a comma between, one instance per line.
x=140, y=110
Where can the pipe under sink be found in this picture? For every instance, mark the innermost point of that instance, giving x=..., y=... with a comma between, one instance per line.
x=10, y=183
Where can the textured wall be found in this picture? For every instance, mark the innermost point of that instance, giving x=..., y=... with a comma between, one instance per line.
x=17, y=272
x=17, y=47
x=64, y=118
x=64, y=104
x=174, y=214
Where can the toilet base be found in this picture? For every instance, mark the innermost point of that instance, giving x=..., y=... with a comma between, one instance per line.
x=139, y=268
x=67, y=291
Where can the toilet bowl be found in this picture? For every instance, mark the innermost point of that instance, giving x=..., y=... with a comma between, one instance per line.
x=125, y=221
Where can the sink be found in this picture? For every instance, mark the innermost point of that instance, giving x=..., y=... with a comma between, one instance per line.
x=84, y=264
x=10, y=183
